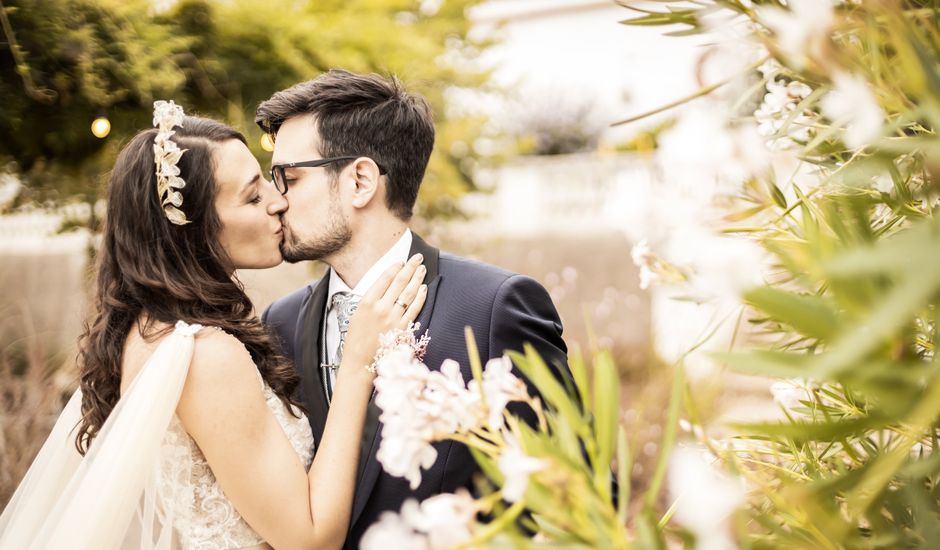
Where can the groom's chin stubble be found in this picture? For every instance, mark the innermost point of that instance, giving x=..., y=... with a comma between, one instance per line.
x=303, y=252
x=291, y=255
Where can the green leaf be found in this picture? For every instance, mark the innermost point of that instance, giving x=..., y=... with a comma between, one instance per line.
x=890, y=386
x=809, y=314
x=670, y=426
x=896, y=309
x=885, y=466
x=686, y=17
x=487, y=465
x=778, y=196
x=803, y=431
x=476, y=364
x=650, y=537
x=916, y=469
x=565, y=436
x=579, y=374
x=550, y=389
x=745, y=214
x=765, y=363
x=606, y=418
x=624, y=467
x=898, y=253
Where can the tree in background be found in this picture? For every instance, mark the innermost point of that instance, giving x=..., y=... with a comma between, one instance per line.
x=65, y=62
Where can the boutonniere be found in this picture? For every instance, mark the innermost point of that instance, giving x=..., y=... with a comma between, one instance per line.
x=395, y=339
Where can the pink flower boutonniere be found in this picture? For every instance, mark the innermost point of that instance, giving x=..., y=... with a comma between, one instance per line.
x=395, y=339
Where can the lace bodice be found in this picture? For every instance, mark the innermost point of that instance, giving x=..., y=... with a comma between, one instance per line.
x=208, y=519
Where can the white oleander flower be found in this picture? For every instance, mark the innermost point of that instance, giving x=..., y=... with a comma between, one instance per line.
x=406, y=442
x=420, y=406
x=730, y=266
x=751, y=156
x=790, y=393
x=500, y=386
x=705, y=497
x=801, y=31
x=883, y=183
x=770, y=68
x=644, y=258
x=445, y=519
x=705, y=146
x=721, y=266
x=782, y=98
x=700, y=138
x=516, y=467
x=391, y=531
x=777, y=107
x=653, y=269
x=852, y=104
x=441, y=522
x=732, y=49
x=400, y=380
x=458, y=410
x=405, y=454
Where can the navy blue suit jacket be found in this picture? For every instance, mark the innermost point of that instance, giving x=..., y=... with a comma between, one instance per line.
x=505, y=310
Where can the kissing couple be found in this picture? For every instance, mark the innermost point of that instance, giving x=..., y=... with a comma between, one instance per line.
x=198, y=425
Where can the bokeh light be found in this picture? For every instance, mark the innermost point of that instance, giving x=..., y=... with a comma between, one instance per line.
x=101, y=127
x=267, y=142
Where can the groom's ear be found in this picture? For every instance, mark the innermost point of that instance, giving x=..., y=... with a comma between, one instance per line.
x=365, y=173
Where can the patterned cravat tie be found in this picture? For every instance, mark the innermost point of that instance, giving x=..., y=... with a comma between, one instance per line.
x=344, y=304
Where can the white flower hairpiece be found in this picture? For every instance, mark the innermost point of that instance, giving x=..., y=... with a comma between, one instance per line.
x=166, y=155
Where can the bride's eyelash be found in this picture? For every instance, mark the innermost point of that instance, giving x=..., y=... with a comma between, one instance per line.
x=255, y=200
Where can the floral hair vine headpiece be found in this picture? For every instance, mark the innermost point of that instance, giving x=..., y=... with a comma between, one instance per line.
x=166, y=155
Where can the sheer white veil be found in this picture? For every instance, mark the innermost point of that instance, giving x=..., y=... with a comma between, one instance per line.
x=112, y=498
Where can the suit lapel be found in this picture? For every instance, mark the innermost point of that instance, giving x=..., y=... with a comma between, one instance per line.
x=369, y=467
x=308, y=335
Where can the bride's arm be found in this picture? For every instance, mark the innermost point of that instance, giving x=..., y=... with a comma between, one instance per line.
x=224, y=410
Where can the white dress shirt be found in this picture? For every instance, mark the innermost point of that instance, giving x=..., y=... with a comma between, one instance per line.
x=397, y=253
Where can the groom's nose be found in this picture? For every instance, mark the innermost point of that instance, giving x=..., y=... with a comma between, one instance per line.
x=277, y=205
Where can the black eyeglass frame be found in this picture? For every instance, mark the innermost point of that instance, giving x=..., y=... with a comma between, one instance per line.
x=278, y=169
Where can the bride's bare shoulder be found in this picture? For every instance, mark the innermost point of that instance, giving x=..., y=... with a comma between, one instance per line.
x=219, y=357
x=214, y=346
x=223, y=384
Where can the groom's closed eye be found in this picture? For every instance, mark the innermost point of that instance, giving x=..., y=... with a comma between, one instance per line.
x=290, y=174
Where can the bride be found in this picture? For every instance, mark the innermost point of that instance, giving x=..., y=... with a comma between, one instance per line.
x=184, y=432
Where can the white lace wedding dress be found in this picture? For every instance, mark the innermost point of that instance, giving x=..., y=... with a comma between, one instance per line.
x=144, y=484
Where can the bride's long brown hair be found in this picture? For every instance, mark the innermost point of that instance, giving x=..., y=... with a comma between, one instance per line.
x=150, y=269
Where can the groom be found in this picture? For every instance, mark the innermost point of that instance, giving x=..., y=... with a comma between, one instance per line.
x=351, y=151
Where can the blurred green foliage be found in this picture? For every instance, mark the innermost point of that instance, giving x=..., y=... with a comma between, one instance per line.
x=850, y=310
x=65, y=62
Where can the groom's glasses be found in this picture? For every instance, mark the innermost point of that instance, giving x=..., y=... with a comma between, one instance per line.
x=280, y=181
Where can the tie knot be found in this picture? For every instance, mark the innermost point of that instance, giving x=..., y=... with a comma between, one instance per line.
x=345, y=304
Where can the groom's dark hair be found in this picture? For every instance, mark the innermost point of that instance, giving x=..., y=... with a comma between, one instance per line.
x=363, y=114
